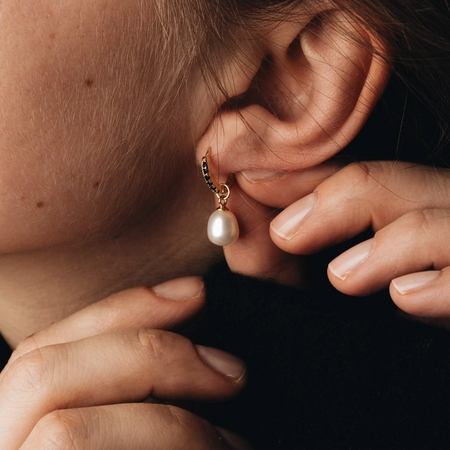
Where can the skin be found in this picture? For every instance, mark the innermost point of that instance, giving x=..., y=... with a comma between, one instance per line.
x=62, y=209
x=82, y=217
x=405, y=204
x=74, y=239
x=49, y=399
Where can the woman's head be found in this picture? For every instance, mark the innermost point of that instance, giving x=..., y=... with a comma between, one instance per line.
x=102, y=104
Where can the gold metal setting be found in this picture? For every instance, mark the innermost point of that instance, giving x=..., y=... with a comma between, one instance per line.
x=222, y=190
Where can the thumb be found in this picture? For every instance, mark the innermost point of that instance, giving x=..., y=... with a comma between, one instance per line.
x=254, y=253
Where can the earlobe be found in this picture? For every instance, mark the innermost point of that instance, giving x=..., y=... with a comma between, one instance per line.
x=308, y=100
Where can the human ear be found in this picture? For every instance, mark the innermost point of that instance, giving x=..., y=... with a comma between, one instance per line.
x=313, y=90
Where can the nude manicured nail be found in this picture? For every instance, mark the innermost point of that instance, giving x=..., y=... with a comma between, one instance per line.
x=414, y=281
x=255, y=176
x=222, y=362
x=180, y=288
x=344, y=264
x=287, y=224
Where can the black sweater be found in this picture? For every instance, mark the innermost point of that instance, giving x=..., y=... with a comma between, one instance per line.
x=328, y=371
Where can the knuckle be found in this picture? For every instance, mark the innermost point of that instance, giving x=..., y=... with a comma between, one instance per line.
x=60, y=430
x=420, y=221
x=141, y=291
x=365, y=175
x=30, y=374
x=153, y=342
x=27, y=345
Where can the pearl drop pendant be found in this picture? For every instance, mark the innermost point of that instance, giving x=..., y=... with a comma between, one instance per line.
x=223, y=228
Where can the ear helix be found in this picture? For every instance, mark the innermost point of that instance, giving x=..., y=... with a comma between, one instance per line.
x=223, y=228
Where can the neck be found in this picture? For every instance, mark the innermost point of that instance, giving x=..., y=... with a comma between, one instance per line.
x=45, y=286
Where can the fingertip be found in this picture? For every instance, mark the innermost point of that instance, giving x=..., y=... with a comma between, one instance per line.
x=343, y=266
x=289, y=222
x=228, y=365
x=346, y=286
x=262, y=176
x=415, y=281
x=180, y=289
x=355, y=285
x=418, y=293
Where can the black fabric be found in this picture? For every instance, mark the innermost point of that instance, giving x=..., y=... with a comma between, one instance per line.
x=5, y=352
x=327, y=371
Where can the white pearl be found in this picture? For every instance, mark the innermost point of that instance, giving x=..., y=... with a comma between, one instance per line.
x=223, y=228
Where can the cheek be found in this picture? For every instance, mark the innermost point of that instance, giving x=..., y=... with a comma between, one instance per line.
x=75, y=84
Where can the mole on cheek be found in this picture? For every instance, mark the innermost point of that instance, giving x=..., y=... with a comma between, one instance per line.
x=40, y=204
x=89, y=82
x=96, y=185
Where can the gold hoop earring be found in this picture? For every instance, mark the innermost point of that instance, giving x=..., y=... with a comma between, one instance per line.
x=223, y=227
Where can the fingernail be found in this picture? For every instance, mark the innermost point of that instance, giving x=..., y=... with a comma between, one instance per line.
x=287, y=224
x=180, y=289
x=233, y=440
x=344, y=264
x=413, y=281
x=255, y=176
x=222, y=362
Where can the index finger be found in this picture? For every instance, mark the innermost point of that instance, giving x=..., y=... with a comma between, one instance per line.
x=166, y=306
x=359, y=196
x=279, y=189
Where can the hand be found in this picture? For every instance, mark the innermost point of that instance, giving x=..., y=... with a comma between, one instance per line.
x=256, y=199
x=81, y=383
x=407, y=206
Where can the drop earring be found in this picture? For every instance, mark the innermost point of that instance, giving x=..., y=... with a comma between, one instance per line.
x=223, y=227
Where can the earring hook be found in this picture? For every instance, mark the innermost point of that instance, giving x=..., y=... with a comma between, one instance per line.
x=222, y=190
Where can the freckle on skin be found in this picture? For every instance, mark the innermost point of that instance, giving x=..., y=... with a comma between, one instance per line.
x=89, y=82
x=40, y=204
x=52, y=35
x=96, y=185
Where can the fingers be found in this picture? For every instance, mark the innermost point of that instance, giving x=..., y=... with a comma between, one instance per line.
x=109, y=353
x=279, y=189
x=254, y=253
x=111, y=368
x=115, y=427
x=414, y=242
x=407, y=205
x=359, y=196
x=164, y=307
